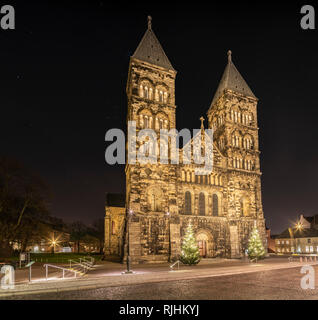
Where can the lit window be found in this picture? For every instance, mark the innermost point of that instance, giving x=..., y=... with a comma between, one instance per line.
x=146, y=92
x=113, y=228
x=307, y=249
x=160, y=96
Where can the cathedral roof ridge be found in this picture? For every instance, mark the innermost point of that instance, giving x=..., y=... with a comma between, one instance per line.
x=232, y=80
x=150, y=49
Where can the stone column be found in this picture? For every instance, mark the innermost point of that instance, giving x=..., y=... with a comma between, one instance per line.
x=234, y=239
x=135, y=239
x=175, y=238
x=107, y=236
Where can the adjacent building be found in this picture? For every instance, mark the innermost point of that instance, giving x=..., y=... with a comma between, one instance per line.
x=302, y=239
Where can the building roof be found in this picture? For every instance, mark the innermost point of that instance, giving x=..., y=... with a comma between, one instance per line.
x=232, y=80
x=150, y=50
x=115, y=200
x=304, y=233
x=312, y=219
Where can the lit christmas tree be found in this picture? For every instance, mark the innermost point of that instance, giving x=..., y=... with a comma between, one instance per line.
x=190, y=252
x=255, y=246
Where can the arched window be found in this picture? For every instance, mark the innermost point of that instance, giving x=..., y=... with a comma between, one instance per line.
x=141, y=91
x=153, y=202
x=201, y=204
x=113, y=228
x=215, y=205
x=146, y=92
x=160, y=96
x=165, y=97
x=187, y=203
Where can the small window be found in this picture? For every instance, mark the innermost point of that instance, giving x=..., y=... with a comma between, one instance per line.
x=215, y=205
x=187, y=198
x=201, y=204
x=113, y=228
x=160, y=96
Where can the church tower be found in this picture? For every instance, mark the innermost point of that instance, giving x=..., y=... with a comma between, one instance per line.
x=150, y=188
x=163, y=198
x=233, y=117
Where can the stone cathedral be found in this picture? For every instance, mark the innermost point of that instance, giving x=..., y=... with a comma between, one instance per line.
x=162, y=199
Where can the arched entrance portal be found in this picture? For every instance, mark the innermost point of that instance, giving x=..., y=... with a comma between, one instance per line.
x=204, y=243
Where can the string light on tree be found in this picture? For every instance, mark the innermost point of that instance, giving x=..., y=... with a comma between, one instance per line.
x=255, y=245
x=190, y=252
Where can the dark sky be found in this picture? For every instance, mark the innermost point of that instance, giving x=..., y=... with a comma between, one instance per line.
x=62, y=86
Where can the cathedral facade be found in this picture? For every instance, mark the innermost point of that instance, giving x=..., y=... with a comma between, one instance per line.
x=162, y=199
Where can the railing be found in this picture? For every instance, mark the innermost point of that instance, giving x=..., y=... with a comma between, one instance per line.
x=74, y=263
x=60, y=268
x=82, y=263
x=173, y=265
x=89, y=262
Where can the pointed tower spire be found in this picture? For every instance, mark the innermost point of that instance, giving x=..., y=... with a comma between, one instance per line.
x=229, y=56
x=150, y=49
x=202, y=120
x=149, y=22
x=232, y=80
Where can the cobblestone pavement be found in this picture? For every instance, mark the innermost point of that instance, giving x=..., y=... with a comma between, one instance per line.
x=275, y=284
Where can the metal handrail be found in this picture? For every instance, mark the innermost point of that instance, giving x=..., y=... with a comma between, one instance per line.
x=177, y=262
x=76, y=263
x=91, y=262
x=58, y=267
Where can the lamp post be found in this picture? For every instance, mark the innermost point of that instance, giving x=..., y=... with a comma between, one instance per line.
x=53, y=247
x=169, y=247
x=128, y=271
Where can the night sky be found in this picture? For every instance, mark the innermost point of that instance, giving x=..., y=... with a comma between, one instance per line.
x=63, y=77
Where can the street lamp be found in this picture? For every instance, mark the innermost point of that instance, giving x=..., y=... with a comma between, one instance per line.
x=130, y=214
x=54, y=241
x=169, y=248
x=299, y=226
